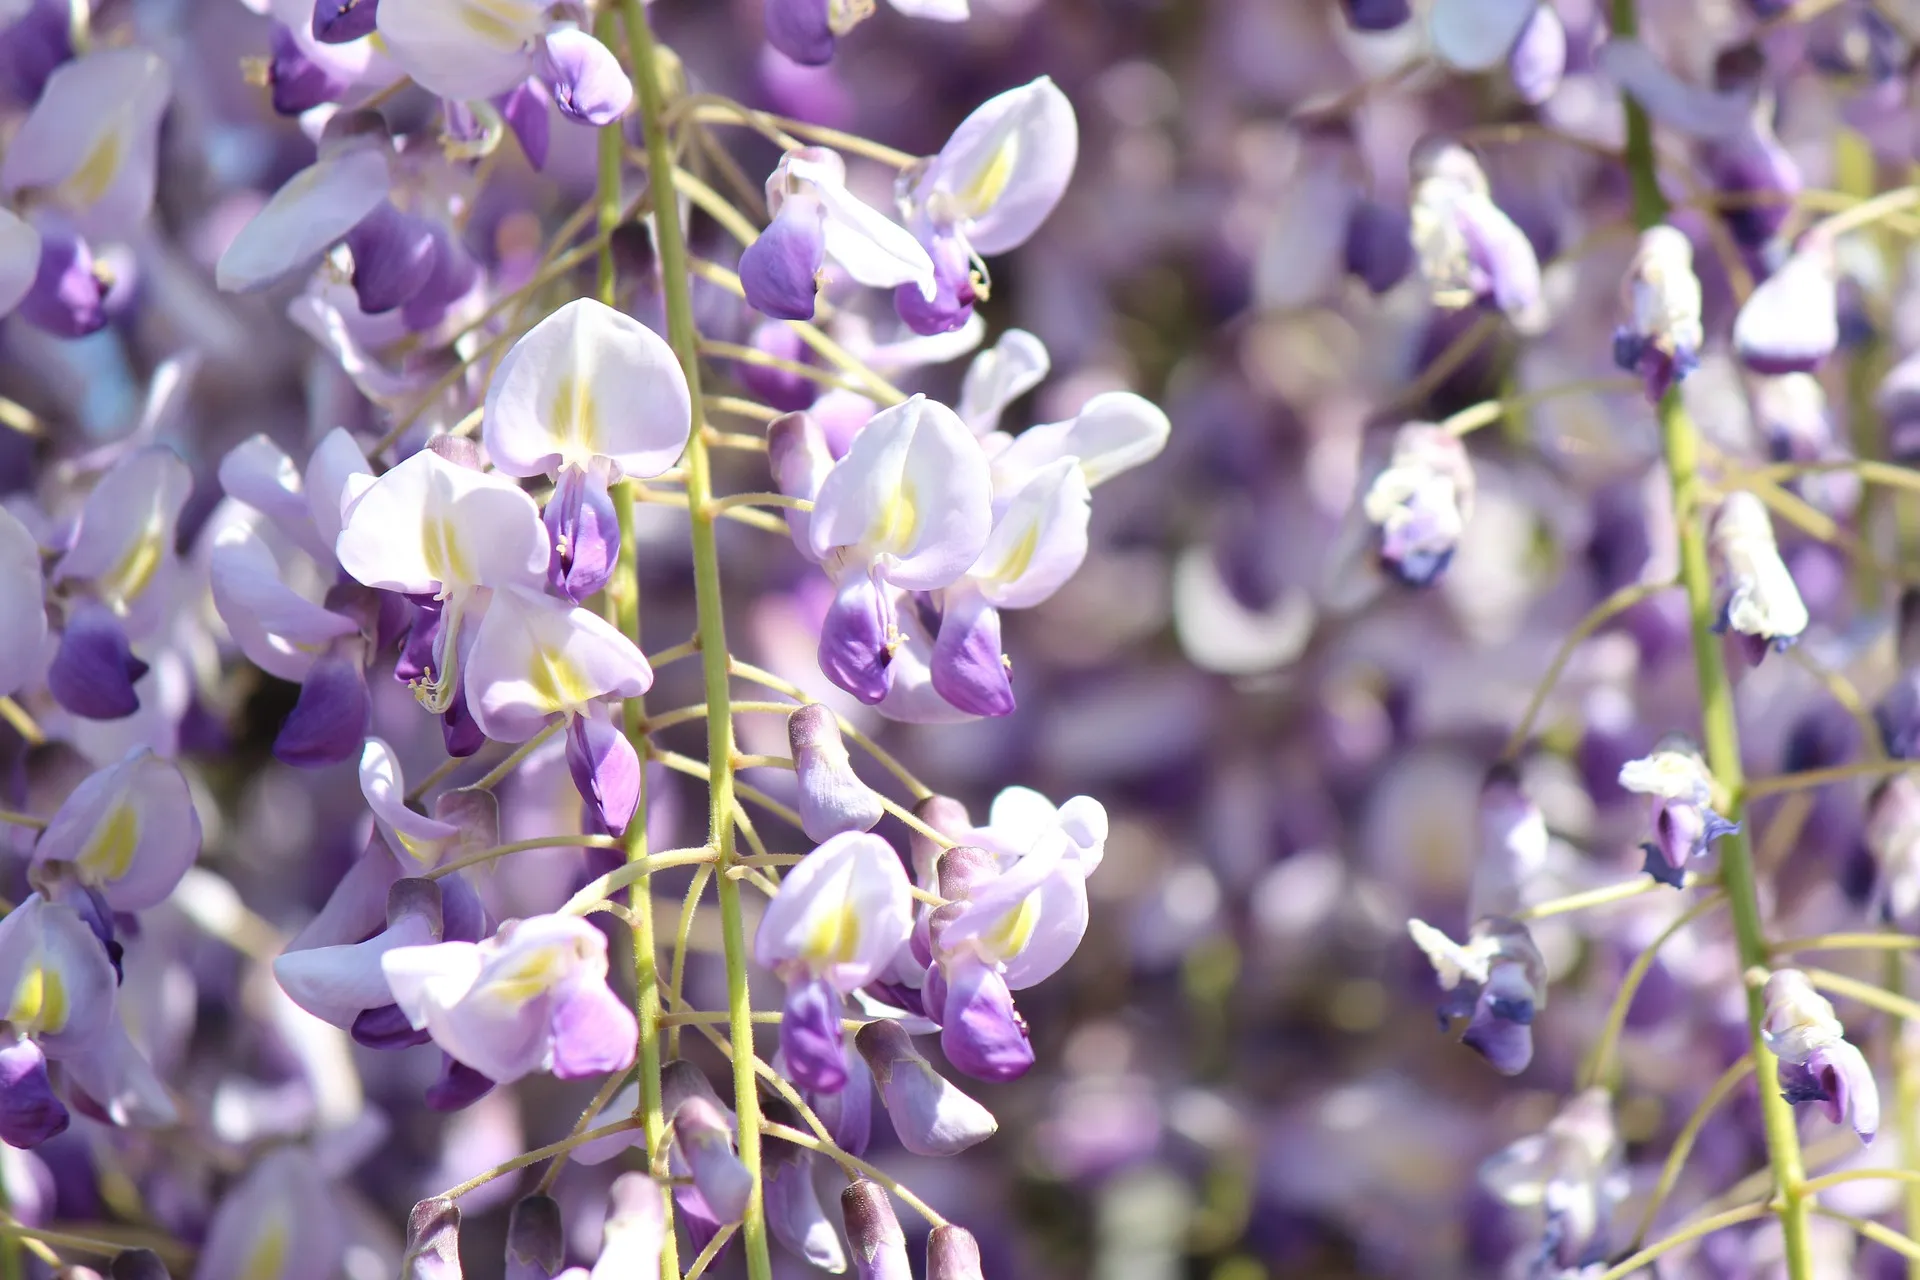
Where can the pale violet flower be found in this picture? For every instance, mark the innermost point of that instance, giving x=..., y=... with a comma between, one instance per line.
x=127, y=833
x=1817, y=1063
x=531, y=998
x=1497, y=980
x=1572, y=1173
x=1791, y=321
x=90, y=147
x=1662, y=336
x=1419, y=505
x=1470, y=252
x=1758, y=598
x=471, y=50
x=1684, y=822
x=832, y=799
x=1014, y=365
x=986, y=193
x=841, y=915
x=816, y=218
x=279, y=1222
x=588, y=396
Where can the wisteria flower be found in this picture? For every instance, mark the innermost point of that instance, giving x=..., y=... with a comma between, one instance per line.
x=1469, y=250
x=1497, y=980
x=1420, y=504
x=1817, y=1064
x=470, y=50
x=807, y=30
x=127, y=833
x=1662, y=337
x=1759, y=600
x=1683, y=819
x=1572, y=1172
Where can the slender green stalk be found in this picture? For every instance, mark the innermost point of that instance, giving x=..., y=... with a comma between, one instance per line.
x=1685, y=1235
x=1906, y=1106
x=685, y=339
x=1730, y=1080
x=1720, y=728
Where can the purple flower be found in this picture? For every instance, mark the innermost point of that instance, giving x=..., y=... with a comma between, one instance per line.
x=1683, y=820
x=1817, y=1064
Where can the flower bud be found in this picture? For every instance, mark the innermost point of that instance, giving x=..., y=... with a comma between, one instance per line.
x=1759, y=598
x=1497, y=981
x=330, y=720
x=1791, y=323
x=832, y=797
x=1662, y=336
x=1817, y=1064
x=536, y=1239
x=1683, y=820
x=793, y=1205
x=433, y=1241
x=798, y=455
x=945, y=815
x=1419, y=506
x=635, y=1231
x=606, y=770
x=1538, y=58
x=1470, y=252
x=879, y=1246
x=137, y=1264
x=29, y=1111
x=930, y=1116
x=703, y=1135
x=1893, y=839
x=953, y=1254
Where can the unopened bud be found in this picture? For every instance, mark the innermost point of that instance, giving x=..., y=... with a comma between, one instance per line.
x=433, y=1241
x=536, y=1239
x=137, y=1264
x=833, y=800
x=953, y=1254
x=930, y=1115
x=704, y=1136
x=945, y=815
x=879, y=1246
x=635, y=1231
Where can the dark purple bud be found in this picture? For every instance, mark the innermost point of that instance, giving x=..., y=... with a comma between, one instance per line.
x=953, y=291
x=433, y=1241
x=606, y=770
x=94, y=671
x=457, y=728
x=393, y=257
x=1379, y=243
x=1501, y=1027
x=953, y=1254
x=810, y=1037
x=137, y=1264
x=338, y=21
x=853, y=641
x=931, y=1116
x=968, y=668
x=981, y=1032
x=585, y=532
x=783, y=389
x=416, y=651
x=330, y=721
x=297, y=81
x=1376, y=15
x=524, y=108
x=536, y=1239
x=386, y=1028
x=454, y=275
x=459, y=1086
x=1761, y=180
x=832, y=799
x=67, y=297
x=879, y=1246
x=587, y=81
x=800, y=29
x=778, y=271
x=29, y=1113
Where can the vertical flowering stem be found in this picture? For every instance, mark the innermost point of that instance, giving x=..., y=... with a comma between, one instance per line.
x=674, y=279
x=1720, y=729
x=623, y=602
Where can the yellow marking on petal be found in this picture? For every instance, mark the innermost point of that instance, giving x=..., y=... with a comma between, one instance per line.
x=268, y=1257
x=557, y=681
x=500, y=24
x=1015, y=930
x=834, y=938
x=899, y=520
x=89, y=182
x=39, y=1001
x=990, y=179
x=1015, y=562
x=537, y=973
x=446, y=559
x=124, y=583
x=110, y=847
x=573, y=415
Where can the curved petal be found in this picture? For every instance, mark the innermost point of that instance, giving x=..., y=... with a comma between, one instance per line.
x=871, y=247
x=130, y=831
x=55, y=976
x=1005, y=168
x=431, y=526
x=337, y=984
x=537, y=657
x=327, y=481
x=279, y=630
x=127, y=526
x=259, y=473
x=463, y=49
x=586, y=382
x=1039, y=541
x=23, y=608
x=842, y=912
x=277, y=1223
x=91, y=143
x=1116, y=431
x=409, y=834
x=19, y=259
x=998, y=376
x=311, y=213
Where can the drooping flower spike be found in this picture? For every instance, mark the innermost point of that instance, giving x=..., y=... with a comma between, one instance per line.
x=1683, y=820
x=837, y=921
x=986, y=193
x=588, y=396
x=1759, y=601
x=816, y=218
x=1662, y=336
x=1817, y=1064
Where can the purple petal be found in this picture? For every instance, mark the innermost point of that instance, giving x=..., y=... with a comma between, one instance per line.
x=457, y=728
x=793, y=1208
x=799, y=29
x=853, y=640
x=386, y=1028
x=329, y=723
x=394, y=254
x=1501, y=1029
x=848, y=1114
x=29, y=1113
x=785, y=391
x=810, y=1037
x=36, y=46
x=1376, y=15
x=1538, y=59
x=454, y=275
x=879, y=1246
x=588, y=82
x=524, y=107
x=94, y=672
x=339, y=21
x=953, y=298
x=585, y=530
x=967, y=667
x=981, y=1032
x=593, y=1032
x=1379, y=246
x=953, y=1253
x=68, y=294
x=778, y=271
x=459, y=1086
x=931, y=1116
x=606, y=770
x=299, y=83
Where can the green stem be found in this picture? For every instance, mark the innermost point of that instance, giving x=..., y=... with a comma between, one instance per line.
x=623, y=602
x=1906, y=1106
x=1720, y=728
x=685, y=340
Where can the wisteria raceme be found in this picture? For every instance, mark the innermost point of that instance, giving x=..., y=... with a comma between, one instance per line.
x=619, y=619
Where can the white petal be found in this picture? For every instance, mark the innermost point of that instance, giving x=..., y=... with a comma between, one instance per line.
x=90, y=144
x=127, y=526
x=408, y=833
x=1115, y=432
x=875, y=250
x=430, y=525
x=1005, y=167
x=1039, y=541
x=23, y=608
x=932, y=10
x=19, y=259
x=259, y=473
x=1451, y=961
x=586, y=382
x=842, y=912
x=463, y=49
x=337, y=457
x=308, y=215
x=536, y=657
x=997, y=377
x=278, y=629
